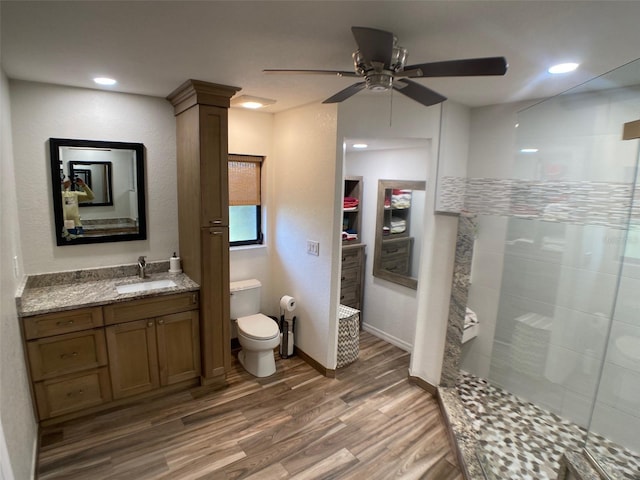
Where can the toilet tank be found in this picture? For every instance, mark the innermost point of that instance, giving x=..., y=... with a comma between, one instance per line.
x=245, y=297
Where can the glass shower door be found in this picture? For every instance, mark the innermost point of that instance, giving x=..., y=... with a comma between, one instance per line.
x=613, y=439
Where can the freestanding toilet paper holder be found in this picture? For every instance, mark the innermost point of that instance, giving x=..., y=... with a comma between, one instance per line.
x=287, y=329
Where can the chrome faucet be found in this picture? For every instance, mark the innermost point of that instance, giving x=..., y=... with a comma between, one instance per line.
x=141, y=266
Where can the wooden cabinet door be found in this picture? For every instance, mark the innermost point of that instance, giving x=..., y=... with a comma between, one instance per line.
x=215, y=336
x=133, y=357
x=214, y=184
x=178, y=347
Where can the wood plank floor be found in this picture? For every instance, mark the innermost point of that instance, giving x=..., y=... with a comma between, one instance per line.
x=368, y=423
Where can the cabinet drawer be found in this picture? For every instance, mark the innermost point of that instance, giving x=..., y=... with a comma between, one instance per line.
x=397, y=246
x=350, y=296
x=72, y=393
x=351, y=257
x=62, y=322
x=350, y=276
x=396, y=264
x=54, y=356
x=149, y=307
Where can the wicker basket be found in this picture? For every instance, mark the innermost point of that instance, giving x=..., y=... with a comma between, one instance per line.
x=348, y=335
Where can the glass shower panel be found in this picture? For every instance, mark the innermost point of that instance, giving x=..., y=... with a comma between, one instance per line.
x=569, y=200
x=613, y=433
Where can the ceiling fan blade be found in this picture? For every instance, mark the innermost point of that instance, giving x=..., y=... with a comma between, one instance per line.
x=346, y=93
x=337, y=73
x=417, y=92
x=459, y=68
x=375, y=45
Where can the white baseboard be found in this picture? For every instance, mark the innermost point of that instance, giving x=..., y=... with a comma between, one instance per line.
x=407, y=347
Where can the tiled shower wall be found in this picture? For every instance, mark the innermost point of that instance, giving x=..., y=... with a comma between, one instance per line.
x=550, y=284
x=547, y=258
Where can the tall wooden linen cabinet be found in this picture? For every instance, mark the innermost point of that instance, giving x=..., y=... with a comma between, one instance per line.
x=201, y=110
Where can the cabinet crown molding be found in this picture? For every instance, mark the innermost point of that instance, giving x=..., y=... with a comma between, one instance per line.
x=193, y=92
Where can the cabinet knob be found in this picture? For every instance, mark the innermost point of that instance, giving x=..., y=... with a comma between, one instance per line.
x=76, y=393
x=215, y=222
x=160, y=322
x=68, y=355
x=149, y=324
x=64, y=322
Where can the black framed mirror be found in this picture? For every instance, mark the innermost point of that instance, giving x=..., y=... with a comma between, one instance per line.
x=399, y=216
x=98, y=191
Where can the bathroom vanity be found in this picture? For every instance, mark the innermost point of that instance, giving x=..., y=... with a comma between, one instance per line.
x=89, y=347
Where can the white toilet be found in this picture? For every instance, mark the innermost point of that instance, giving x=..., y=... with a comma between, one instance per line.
x=258, y=334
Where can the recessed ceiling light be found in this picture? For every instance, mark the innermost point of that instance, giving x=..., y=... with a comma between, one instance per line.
x=360, y=145
x=528, y=150
x=247, y=101
x=104, y=81
x=563, y=68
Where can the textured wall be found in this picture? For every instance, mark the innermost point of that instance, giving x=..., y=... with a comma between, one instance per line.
x=303, y=208
x=16, y=414
x=41, y=111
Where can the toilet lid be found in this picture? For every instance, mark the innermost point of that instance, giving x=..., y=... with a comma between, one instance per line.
x=258, y=327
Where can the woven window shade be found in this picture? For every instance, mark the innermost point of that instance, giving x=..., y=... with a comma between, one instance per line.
x=244, y=180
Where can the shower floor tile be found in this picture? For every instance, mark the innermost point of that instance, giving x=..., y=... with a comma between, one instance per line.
x=518, y=440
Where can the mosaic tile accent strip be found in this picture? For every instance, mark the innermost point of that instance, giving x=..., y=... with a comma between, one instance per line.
x=518, y=440
x=451, y=191
x=573, y=202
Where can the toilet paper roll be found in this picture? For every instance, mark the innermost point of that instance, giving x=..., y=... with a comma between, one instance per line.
x=174, y=265
x=288, y=303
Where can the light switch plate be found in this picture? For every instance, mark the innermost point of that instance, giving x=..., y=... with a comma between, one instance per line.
x=313, y=248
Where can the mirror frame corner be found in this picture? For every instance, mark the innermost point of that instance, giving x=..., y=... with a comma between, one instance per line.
x=54, y=157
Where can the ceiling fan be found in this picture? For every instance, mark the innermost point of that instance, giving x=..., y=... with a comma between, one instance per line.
x=381, y=61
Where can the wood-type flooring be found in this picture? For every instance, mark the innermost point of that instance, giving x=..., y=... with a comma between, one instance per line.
x=368, y=423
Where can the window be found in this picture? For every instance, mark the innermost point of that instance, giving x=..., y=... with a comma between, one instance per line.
x=244, y=200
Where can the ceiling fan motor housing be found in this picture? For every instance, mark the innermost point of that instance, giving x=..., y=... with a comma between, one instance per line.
x=379, y=82
x=379, y=77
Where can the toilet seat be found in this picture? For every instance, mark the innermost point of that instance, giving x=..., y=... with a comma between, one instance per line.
x=258, y=327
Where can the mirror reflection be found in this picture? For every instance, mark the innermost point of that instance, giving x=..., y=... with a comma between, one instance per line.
x=400, y=210
x=98, y=191
x=97, y=177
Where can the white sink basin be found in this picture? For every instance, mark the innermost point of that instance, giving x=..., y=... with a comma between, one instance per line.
x=144, y=286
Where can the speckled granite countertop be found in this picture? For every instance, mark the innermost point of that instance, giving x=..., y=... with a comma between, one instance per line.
x=54, y=292
x=460, y=424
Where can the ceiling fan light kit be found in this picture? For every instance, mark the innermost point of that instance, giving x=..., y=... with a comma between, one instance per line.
x=381, y=61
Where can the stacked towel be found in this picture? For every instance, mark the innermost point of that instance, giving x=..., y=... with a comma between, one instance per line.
x=350, y=203
x=400, y=199
x=398, y=225
x=349, y=236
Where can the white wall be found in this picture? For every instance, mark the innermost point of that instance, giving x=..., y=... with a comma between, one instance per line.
x=491, y=152
x=381, y=296
x=17, y=422
x=251, y=133
x=41, y=111
x=368, y=116
x=304, y=207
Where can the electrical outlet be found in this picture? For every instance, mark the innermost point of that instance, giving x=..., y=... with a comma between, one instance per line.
x=313, y=248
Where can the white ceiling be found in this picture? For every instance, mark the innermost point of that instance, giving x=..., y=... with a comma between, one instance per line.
x=153, y=47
